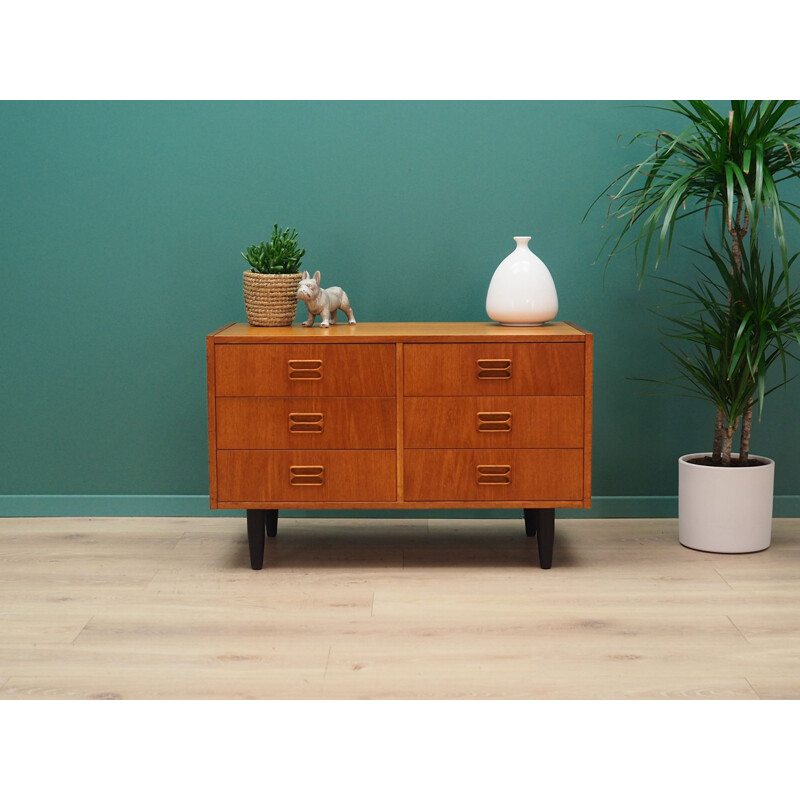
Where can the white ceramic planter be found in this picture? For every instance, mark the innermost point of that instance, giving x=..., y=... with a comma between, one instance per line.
x=725, y=509
x=522, y=291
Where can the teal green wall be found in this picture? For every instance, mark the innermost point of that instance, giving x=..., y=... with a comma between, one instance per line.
x=121, y=225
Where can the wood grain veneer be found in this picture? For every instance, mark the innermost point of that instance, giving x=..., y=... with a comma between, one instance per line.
x=494, y=421
x=504, y=368
x=277, y=370
x=393, y=332
x=456, y=474
x=326, y=423
x=272, y=476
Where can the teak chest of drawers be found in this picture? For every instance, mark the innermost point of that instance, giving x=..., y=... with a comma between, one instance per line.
x=400, y=415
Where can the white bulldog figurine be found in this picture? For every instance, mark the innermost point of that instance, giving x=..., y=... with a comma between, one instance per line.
x=325, y=302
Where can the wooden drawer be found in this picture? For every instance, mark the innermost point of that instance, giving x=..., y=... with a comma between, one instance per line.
x=514, y=368
x=305, y=370
x=493, y=475
x=326, y=423
x=491, y=422
x=262, y=476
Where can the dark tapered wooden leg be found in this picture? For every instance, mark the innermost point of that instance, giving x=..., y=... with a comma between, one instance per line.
x=531, y=520
x=546, y=531
x=256, y=521
x=271, y=517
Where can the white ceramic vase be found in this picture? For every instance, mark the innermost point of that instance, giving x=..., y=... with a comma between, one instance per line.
x=522, y=291
x=725, y=509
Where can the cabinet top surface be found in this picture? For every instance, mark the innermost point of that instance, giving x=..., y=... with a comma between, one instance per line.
x=240, y=332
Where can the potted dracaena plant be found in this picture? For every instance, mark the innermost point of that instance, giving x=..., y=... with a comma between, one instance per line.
x=740, y=315
x=270, y=285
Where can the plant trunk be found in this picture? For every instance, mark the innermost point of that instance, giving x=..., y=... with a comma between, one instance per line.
x=728, y=443
x=738, y=231
x=719, y=435
x=747, y=423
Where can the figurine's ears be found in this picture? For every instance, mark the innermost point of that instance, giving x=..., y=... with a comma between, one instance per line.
x=305, y=276
x=317, y=277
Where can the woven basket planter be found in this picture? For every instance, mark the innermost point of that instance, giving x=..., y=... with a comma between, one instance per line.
x=270, y=300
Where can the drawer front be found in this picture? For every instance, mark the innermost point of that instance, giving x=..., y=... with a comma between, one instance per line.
x=493, y=475
x=305, y=370
x=514, y=368
x=264, y=476
x=326, y=423
x=493, y=422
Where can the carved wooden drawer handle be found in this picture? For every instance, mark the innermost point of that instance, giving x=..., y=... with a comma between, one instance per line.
x=494, y=368
x=494, y=421
x=306, y=476
x=494, y=473
x=309, y=369
x=306, y=423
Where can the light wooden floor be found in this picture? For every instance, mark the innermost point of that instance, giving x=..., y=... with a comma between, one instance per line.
x=168, y=608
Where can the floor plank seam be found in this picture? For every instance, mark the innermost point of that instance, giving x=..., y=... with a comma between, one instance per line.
x=179, y=540
x=753, y=688
x=724, y=581
x=150, y=582
x=737, y=629
x=82, y=630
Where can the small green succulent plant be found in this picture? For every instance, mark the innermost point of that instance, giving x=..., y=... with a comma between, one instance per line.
x=281, y=255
